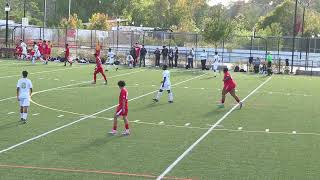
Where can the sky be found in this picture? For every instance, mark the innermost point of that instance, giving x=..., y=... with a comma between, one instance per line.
x=224, y=2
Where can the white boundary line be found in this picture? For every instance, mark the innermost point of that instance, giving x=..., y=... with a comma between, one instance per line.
x=40, y=72
x=70, y=85
x=86, y=117
x=186, y=152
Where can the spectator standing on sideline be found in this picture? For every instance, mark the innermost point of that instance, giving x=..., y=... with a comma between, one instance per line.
x=164, y=53
x=176, y=57
x=190, y=58
x=171, y=56
x=157, y=54
x=137, y=49
x=269, y=65
x=203, y=58
x=133, y=54
x=143, y=53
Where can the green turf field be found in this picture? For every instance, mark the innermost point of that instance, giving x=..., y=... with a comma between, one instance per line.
x=275, y=136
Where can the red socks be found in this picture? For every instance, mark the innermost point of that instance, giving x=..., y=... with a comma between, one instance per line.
x=127, y=126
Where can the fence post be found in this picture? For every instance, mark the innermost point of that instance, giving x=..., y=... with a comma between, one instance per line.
x=222, y=50
x=91, y=39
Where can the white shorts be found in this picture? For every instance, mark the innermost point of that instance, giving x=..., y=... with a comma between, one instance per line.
x=165, y=87
x=24, y=102
x=215, y=67
x=111, y=61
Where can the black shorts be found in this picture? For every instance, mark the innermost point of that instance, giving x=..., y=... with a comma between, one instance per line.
x=269, y=64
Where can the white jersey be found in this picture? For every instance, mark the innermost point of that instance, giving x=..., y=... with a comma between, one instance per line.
x=111, y=56
x=203, y=56
x=216, y=60
x=166, y=85
x=36, y=51
x=24, y=48
x=24, y=86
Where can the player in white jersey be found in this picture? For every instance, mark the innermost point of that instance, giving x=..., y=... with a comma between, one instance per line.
x=111, y=60
x=215, y=63
x=165, y=85
x=36, y=52
x=24, y=91
x=24, y=50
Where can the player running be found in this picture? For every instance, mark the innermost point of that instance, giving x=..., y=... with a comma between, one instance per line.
x=111, y=60
x=99, y=69
x=67, y=56
x=24, y=91
x=45, y=49
x=122, y=110
x=165, y=85
x=24, y=47
x=229, y=87
x=36, y=52
x=215, y=63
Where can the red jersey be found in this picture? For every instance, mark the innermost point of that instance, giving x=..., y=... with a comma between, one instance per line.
x=67, y=51
x=227, y=79
x=123, y=97
x=137, y=49
x=46, y=49
x=49, y=49
x=98, y=62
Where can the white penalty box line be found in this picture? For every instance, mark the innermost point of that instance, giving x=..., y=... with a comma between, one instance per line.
x=86, y=117
x=187, y=151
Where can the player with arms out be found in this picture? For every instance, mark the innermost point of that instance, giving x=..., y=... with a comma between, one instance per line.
x=122, y=110
x=229, y=87
x=99, y=69
x=165, y=85
x=24, y=91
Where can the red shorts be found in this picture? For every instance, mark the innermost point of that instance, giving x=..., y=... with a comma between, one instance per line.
x=119, y=111
x=98, y=70
x=229, y=87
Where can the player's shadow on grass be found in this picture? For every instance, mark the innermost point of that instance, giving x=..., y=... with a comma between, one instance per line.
x=10, y=125
x=101, y=141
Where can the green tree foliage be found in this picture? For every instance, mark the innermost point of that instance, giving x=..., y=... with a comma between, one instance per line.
x=32, y=11
x=99, y=21
x=73, y=23
x=217, y=28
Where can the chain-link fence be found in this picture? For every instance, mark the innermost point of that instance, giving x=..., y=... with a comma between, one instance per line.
x=236, y=49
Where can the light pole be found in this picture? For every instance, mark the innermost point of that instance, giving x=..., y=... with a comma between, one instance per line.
x=118, y=26
x=7, y=9
x=24, y=8
x=69, y=9
x=294, y=34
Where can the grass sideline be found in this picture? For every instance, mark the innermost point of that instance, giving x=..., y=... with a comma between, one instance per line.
x=240, y=148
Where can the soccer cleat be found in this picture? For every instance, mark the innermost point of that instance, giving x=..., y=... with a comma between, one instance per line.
x=106, y=82
x=94, y=82
x=240, y=105
x=170, y=102
x=155, y=100
x=117, y=69
x=113, y=132
x=106, y=70
x=220, y=105
x=24, y=121
x=126, y=132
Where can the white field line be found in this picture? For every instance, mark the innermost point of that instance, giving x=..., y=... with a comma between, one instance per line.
x=187, y=151
x=239, y=130
x=40, y=72
x=70, y=85
x=86, y=117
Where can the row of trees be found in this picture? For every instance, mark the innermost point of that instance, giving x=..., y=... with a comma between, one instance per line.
x=269, y=17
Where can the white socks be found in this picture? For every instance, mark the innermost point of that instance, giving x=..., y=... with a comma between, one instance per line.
x=159, y=95
x=21, y=115
x=24, y=116
x=170, y=96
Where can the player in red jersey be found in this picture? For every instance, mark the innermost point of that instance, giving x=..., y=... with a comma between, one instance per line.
x=229, y=87
x=67, y=56
x=49, y=49
x=122, y=110
x=99, y=69
x=45, y=51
